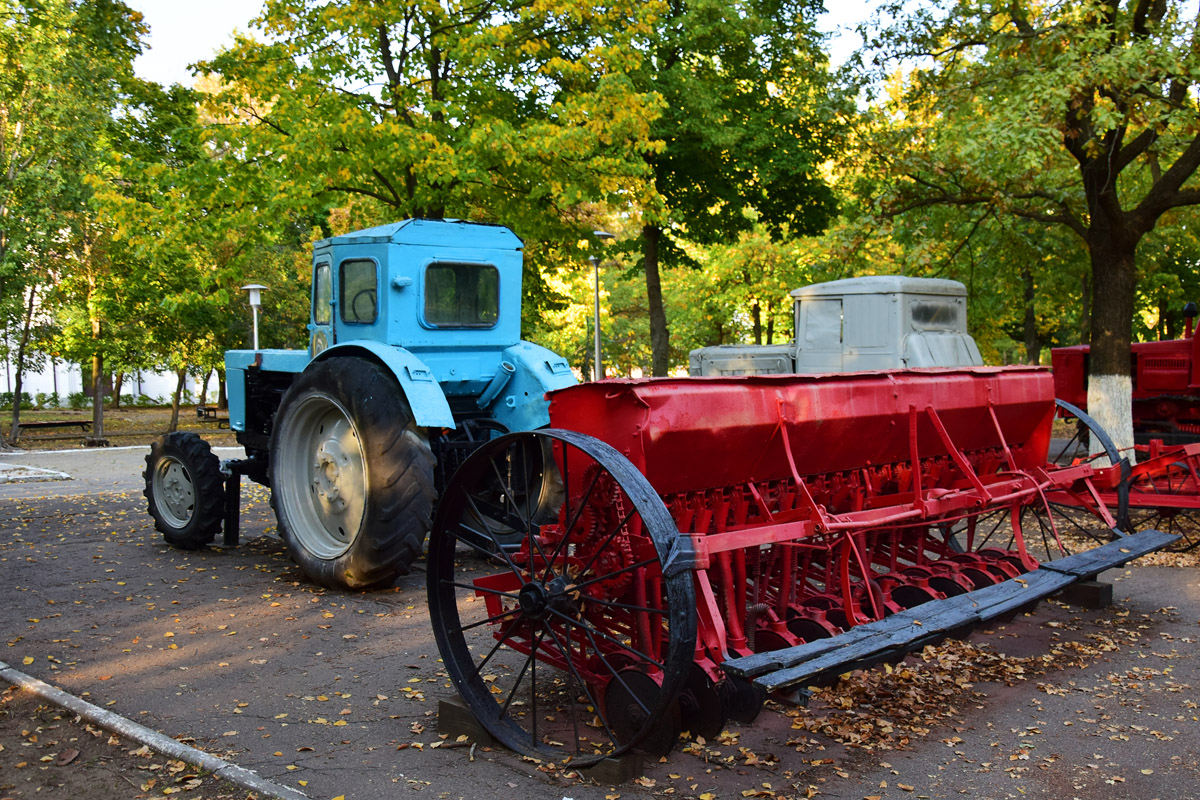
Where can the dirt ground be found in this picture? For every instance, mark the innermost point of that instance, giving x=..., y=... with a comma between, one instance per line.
x=337, y=694
x=122, y=426
x=48, y=752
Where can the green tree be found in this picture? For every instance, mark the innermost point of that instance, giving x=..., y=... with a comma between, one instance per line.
x=1081, y=115
x=61, y=66
x=506, y=110
x=749, y=118
x=185, y=248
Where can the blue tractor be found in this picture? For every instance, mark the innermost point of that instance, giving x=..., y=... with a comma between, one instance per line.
x=415, y=358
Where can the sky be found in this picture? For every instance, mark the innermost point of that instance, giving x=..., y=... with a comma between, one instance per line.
x=183, y=33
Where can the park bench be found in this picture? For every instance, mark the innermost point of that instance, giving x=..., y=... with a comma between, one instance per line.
x=84, y=425
x=209, y=414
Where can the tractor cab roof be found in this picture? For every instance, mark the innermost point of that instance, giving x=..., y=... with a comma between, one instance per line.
x=881, y=284
x=431, y=232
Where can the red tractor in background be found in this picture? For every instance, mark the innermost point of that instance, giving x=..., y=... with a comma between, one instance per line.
x=1166, y=384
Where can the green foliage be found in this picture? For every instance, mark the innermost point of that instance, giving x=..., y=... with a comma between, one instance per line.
x=1080, y=115
x=515, y=112
x=750, y=117
x=62, y=65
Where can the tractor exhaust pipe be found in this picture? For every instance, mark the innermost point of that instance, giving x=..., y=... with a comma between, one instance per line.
x=503, y=376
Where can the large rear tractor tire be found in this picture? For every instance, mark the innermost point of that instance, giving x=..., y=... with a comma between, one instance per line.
x=351, y=475
x=185, y=490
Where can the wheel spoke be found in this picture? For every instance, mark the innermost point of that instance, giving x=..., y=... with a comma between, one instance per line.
x=490, y=620
x=485, y=589
x=495, y=541
x=578, y=680
x=491, y=555
x=582, y=625
x=612, y=575
x=625, y=606
x=615, y=673
x=531, y=659
x=507, y=489
x=607, y=541
x=478, y=668
x=584, y=500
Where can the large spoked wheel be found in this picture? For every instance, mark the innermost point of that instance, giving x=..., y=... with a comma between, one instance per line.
x=351, y=475
x=1064, y=521
x=532, y=482
x=1168, y=501
x=576, y=644
x=185, y=490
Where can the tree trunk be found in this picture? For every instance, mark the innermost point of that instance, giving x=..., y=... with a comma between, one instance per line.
x=756, y=316
x=222, y=400
x=1110, y=387
x=97, y=436
x=97, y=392
x=15, y=427
x=204, y=388
x=660, y=344
x=1033, y=345
x=117, y=382
x=1085, y=311
x=586, y=368
x=181, y=376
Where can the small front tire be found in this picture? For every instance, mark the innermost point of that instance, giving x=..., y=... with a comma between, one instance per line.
x=185, y=490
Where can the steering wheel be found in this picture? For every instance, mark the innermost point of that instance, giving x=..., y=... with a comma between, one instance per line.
x=369, y=294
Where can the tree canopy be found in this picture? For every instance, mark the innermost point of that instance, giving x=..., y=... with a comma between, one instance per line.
x=1080, y=115
x=1042, y=153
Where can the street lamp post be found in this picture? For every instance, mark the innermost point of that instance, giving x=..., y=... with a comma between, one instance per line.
x=598, y=368
x=255, y=290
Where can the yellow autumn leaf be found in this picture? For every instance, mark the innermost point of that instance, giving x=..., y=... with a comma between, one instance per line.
x=27, y=660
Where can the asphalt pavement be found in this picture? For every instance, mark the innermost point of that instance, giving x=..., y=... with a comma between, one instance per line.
x=332, y=693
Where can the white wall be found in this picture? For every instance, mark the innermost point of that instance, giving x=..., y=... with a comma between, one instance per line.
x=70, y=380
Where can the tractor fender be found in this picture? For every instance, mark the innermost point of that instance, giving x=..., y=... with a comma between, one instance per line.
x=417, y=381
x=521, y=403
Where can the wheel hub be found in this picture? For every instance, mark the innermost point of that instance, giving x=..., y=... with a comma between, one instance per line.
x=538, y=600
x=534, y=600
x=327, y=473
x=175, y=489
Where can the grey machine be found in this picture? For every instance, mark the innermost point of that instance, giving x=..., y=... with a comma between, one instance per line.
x=856, y=324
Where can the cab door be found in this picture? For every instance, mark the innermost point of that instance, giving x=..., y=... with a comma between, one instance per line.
x=819, y=339
x=320, y=326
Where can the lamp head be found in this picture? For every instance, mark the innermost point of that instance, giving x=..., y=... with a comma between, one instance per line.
x=255, y=290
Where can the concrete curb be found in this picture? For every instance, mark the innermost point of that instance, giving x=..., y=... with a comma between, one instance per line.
x=156, y=741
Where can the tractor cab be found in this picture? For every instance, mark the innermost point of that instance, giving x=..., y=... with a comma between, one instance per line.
x=418, y=284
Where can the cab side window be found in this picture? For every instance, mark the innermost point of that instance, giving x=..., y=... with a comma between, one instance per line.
x=462, y=295
x=322, y=295
x=360, y=293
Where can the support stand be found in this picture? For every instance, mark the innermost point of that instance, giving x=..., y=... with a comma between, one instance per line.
x=1091, y=594
x=233, y=509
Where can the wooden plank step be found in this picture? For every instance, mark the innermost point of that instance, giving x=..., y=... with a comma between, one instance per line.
x=913, y=629
x=937, y=617
x=1113, y=554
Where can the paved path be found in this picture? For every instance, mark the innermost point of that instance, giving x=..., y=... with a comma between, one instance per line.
x=103, y=469
x=335, y=693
